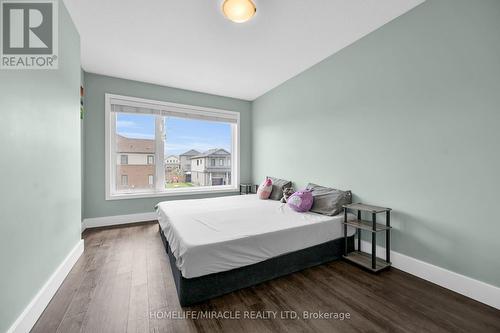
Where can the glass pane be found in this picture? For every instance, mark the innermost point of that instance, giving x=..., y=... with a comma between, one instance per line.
x=135, y=151
x=197, y=153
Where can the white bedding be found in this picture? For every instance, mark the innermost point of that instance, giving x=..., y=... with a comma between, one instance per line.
x=219, y=234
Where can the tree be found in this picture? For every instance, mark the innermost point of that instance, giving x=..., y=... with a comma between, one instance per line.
x=174, y=175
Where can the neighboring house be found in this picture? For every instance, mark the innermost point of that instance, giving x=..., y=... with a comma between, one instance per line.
x=212, y=167
x=135, y=163
x=185, y=163
x=172, y=162
x=185, y=159
x=173, y=173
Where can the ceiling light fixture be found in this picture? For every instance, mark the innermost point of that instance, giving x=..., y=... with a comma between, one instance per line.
x=239, y=11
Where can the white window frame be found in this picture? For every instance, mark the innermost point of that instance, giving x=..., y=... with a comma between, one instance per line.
x=110, y=154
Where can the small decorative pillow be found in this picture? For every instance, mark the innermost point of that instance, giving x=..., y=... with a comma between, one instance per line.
x=287, y=192
x=265, y=189
x=301, y=201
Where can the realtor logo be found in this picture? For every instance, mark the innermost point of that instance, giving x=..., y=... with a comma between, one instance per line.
x=28, y=35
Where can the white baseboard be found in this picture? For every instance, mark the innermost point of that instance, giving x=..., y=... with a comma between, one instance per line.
x=24, y=323
x=118, y=219
x=477, y=290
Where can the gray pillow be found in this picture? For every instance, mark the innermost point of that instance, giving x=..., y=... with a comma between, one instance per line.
x=278, y=186
x=328, y=201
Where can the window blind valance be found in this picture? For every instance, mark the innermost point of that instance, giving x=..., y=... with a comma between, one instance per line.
x=127, y=106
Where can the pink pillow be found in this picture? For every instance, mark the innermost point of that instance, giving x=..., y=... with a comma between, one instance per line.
x=265, y=189
x=301, y=201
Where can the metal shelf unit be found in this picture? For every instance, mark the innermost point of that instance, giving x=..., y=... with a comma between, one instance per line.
x=366, y=260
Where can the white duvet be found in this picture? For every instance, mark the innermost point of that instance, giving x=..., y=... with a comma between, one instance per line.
x=219, y=234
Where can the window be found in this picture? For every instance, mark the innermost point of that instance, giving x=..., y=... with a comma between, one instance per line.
x=154, y=144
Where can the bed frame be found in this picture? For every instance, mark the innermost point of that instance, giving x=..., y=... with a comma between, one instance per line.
x=199, y=289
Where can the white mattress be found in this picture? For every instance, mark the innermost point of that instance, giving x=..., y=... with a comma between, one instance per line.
x=219, y=234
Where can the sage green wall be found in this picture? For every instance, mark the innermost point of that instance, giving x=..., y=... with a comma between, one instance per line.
x=96, y=86
x=407, y=117
x=40, y=195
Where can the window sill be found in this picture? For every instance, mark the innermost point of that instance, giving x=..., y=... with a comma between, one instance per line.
x=172, y=193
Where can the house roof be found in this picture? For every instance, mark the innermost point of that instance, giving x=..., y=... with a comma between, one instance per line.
x=172, y=157
x=191, y=152
x=128, y=145
x=213, y=152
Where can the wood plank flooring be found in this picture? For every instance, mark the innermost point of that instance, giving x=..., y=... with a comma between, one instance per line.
x=123, y=283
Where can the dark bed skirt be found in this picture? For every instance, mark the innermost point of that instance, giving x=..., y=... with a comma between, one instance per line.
x=199, y=289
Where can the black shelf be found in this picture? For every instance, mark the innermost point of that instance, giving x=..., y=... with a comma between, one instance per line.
x=367, y=208
x=367, y=225
x=369, y=260
x=365, y=260
x=248, y=188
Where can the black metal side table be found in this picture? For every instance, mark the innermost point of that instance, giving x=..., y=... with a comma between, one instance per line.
x=247, y=188
x=366, y=260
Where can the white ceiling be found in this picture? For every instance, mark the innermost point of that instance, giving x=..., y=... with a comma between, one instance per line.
x=189, y=44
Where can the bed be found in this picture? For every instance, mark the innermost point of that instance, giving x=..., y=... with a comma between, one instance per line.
x=218, y=245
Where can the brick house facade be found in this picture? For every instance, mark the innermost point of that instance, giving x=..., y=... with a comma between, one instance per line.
x=135, y=165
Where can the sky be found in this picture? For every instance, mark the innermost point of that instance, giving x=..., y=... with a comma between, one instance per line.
x=181, y=134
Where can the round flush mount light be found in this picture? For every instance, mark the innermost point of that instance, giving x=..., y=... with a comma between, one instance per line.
x=239, y=11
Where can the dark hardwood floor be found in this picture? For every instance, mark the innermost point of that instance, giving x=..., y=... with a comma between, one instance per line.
x=123, y=283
